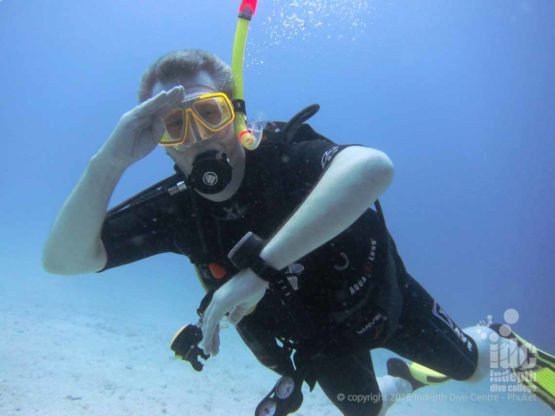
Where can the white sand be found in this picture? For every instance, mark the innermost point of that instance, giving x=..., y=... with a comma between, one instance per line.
x=64, y=358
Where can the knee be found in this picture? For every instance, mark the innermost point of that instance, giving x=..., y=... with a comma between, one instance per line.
x=493, y=351
x=479, y=335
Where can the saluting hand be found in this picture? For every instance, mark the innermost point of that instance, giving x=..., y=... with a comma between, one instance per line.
x=238, y=297
x=139, y=130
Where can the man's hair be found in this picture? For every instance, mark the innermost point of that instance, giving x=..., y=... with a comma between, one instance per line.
x=177, y=65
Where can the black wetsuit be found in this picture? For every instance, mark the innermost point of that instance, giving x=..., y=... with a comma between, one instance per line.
x=354, y=289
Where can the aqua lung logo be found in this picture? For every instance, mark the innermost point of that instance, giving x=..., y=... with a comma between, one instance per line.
x=442, y=315
x=377, y=318
x=210, y=178
x=367, y=269
x=345, y=263
x=372, y=255
x=358, y=285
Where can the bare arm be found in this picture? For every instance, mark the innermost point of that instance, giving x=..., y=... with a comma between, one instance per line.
x=74, y=245
x=354, y=180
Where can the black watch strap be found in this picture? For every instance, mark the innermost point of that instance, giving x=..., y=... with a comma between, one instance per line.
x=246, y=254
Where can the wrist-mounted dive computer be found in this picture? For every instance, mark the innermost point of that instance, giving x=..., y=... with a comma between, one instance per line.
x=246, y=254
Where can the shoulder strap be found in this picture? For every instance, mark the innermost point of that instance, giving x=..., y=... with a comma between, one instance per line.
x=170, y=185
x=279, y=133
x=380, y=213
x=291, y=128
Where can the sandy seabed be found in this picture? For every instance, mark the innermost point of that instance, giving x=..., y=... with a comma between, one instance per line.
x=59, y=358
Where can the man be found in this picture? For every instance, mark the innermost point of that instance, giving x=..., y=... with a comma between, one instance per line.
x=306, y=198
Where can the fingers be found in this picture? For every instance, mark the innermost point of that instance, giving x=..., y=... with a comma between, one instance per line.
x=216, y=343
x=153, y=110
x=210, y=323
x=161, y=102
x=241, y=294
x=158, y=129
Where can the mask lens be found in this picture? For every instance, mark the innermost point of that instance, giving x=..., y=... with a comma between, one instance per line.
x=175, y=127
x=213, y=112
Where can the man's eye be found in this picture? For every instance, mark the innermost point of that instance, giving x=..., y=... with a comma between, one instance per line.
x=174, y=126
x=175, y=123
x=213, y=117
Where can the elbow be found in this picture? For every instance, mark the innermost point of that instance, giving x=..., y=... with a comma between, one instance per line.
x=377, y=169
x=67, y=265
x=368, y=171
x=48, y=263
x=53, y=265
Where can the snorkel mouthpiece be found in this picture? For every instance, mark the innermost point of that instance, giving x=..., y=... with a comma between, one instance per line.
x=243, y=134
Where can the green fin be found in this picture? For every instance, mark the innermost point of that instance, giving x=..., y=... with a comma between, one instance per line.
x=538, y=374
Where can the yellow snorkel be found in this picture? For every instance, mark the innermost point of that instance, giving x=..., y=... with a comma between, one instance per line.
x=243, y=134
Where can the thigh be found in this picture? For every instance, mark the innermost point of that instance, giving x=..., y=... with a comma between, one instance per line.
x=350, y=383
x=427, y=335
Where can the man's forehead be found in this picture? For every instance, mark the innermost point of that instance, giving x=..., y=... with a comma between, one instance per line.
x=190, y=89
x=199, y=83
x=194, y=90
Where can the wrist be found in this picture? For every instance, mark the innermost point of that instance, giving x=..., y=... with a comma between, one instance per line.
x=246, y=254
x=106, y=162
x=250, y=274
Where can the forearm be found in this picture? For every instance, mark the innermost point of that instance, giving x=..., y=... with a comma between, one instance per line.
x=73, y=245
x=355, y=179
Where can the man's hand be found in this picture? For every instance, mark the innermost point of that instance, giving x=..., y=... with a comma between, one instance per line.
x=238, y=296
x=139, y=130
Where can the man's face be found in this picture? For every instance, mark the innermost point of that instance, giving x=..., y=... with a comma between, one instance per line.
x=223, y=140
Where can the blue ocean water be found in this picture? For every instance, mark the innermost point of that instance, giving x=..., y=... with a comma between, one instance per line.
x=460, y=95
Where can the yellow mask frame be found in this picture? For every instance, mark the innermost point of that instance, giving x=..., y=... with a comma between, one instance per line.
x=209, y=113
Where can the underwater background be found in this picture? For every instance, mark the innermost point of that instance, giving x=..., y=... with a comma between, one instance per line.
x=459, y=94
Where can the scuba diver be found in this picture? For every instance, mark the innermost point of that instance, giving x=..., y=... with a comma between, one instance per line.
x=282, y=236
x=278, y=225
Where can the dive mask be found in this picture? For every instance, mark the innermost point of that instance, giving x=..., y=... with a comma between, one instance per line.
x=198, y=118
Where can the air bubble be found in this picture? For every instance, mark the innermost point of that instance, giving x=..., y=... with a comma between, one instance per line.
x=511, y=316
x=505, y=330
x=294, y=21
